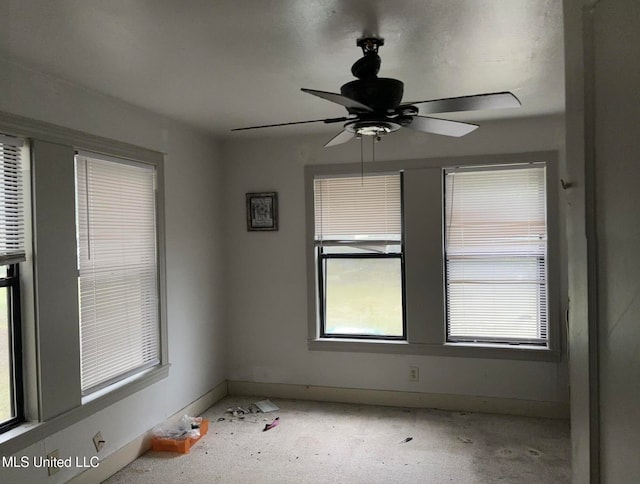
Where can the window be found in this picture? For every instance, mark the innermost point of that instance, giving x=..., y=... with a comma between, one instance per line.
x=496, y=254
x=118, y=269
x=448, y=256
x=12, y=252
x=359, y=254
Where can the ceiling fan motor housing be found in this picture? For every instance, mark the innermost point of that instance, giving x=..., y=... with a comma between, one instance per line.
x=366, y=67
x=379, y=93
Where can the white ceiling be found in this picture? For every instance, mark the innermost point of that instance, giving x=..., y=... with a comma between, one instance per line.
x=219, y=64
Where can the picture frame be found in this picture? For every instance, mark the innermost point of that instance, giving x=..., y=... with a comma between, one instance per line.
x=262, y=211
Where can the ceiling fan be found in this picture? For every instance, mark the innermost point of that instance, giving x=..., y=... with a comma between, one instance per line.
x=375, y=108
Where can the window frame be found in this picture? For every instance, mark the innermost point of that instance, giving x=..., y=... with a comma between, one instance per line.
x=15, y=208
x=485, y=340
x=12, y=281
x=321, y=259
x=504, y=341
x=424, y=265
x=86, y=156
x=321, y=272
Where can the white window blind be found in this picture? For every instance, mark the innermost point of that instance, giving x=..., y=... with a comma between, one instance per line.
x=496, y=254
x=11, y=201
x=358, y=208
x=118, y=272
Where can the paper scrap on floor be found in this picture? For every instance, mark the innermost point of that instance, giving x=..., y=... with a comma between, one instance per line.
x=266, y=406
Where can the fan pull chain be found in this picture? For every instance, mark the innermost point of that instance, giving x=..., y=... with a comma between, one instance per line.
x=373, y=148
x=361, y=160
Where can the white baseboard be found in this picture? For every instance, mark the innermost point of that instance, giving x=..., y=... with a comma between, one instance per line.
x=134, y=449
x=467, y=403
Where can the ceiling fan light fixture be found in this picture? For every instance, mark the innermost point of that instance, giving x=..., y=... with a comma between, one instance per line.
x=372, y=128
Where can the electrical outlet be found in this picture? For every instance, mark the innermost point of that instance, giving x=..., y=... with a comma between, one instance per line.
x=98, y=441
x=414, y=374
x=52, y=458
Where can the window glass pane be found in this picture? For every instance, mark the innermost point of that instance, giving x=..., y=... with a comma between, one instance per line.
x=497, y=299
x=363, y=296
x=496, y=245
x=6, y=410
x=362, y=249
x=496, y=211
x=11, y=201
x=358, y=208
x=118, y=284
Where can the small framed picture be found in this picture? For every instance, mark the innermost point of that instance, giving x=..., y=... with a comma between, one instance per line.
x=262, y=211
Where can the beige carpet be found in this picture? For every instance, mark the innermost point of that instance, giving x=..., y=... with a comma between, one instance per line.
x=342, y=443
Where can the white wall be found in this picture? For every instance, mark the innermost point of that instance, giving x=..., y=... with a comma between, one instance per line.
x=616, y=80
x=579, y=234
x=603, y=146
x=194, y=256
x=267, y=305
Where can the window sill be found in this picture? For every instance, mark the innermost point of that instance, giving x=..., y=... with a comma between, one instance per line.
x=464, y=350
x=128, y=385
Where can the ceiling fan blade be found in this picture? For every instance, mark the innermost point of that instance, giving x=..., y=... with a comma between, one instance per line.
x=341, y=137
x=326, y=121
x=495, y=100
x=339, y=99
x=441, y=126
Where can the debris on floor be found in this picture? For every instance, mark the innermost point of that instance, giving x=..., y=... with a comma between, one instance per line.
x=179, y=436
x=238, y=411
x=252, y=413
x=186, y=427
x=275, y=422
x=263, y=406
x=266, y=406
x=408, y=439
